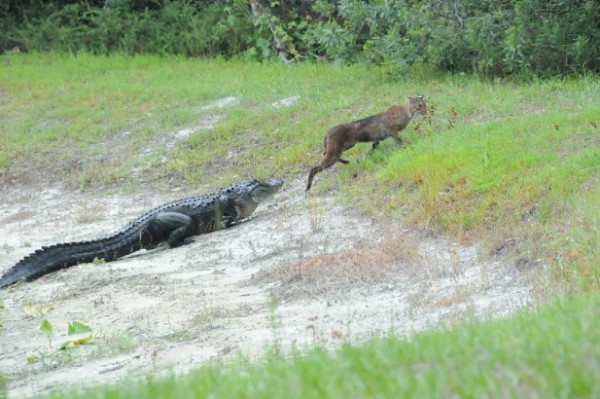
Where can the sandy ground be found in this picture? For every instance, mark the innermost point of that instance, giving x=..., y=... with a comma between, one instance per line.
x=229, y=292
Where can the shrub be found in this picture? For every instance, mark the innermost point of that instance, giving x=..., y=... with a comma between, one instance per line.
x=491, y=38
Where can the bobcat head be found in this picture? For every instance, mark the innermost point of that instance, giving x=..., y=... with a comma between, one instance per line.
x=417, y=105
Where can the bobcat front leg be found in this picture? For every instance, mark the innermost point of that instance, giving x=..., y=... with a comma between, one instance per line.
x=396, y=138
x=382, y=134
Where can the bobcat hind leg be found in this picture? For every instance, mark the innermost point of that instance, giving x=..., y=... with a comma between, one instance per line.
x=328, y=162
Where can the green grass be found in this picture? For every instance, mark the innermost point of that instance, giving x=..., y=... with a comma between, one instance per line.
x=553, y=352
x=68, y=106
x=498, y=162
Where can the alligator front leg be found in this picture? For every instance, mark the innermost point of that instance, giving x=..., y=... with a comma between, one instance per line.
x=227, y=214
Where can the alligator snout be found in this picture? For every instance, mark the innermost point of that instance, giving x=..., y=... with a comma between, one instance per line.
x=275, y=183
x=265, y=189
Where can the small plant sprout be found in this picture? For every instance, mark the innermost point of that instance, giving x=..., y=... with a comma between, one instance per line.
x=316, y=214
x=75, y=328
x=47, y=329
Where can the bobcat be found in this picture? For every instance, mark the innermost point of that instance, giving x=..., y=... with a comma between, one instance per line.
x=371, y=129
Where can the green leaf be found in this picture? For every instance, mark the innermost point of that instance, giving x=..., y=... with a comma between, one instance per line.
x=76, y=327
x=99, y=261
x=75, y=343
x=46, y=328
x=64, y=345
x=83, y=341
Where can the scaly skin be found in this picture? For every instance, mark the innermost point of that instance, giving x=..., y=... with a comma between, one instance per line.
x=171, y=223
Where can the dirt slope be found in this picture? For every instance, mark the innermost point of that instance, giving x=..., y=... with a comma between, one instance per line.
x=299, y=273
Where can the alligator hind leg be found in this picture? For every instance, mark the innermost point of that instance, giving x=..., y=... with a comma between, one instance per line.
x=177, y=225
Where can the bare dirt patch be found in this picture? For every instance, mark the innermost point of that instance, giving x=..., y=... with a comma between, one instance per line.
x=299, y=273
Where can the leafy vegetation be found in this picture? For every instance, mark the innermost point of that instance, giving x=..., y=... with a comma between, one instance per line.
x=493, y=38
x=51, y=356
x=47, y=328
x=74, y=328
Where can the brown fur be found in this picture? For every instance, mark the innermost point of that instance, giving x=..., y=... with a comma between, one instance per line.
x=371, y=129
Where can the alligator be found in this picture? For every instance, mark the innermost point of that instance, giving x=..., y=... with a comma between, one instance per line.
x=172, y=223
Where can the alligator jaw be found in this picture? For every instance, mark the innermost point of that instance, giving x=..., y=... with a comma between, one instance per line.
x=248, y=194
x=265, y=190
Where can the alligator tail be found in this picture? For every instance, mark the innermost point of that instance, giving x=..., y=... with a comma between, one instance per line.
x=55, y=257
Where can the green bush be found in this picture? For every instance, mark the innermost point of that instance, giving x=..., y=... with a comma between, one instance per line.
x=491, y=38
x=553, y=37
x=177, y=27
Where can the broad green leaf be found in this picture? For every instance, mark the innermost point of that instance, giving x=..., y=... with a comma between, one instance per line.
x=76, y=327
x=46, y=328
